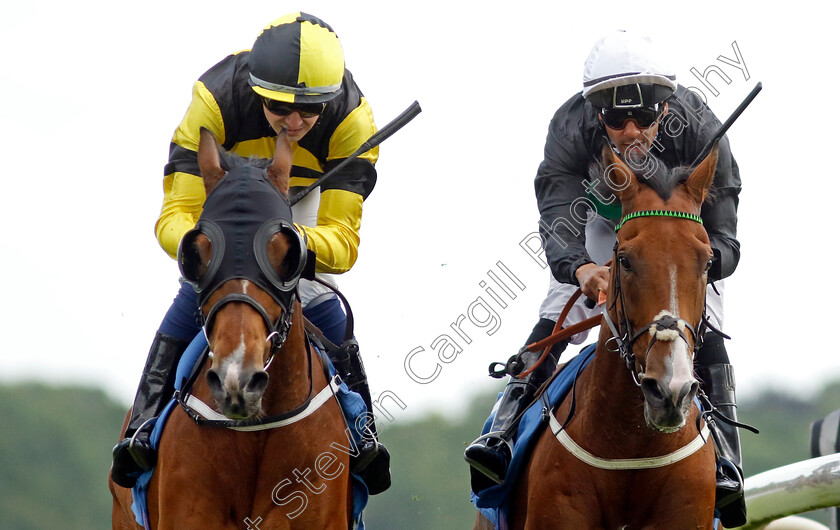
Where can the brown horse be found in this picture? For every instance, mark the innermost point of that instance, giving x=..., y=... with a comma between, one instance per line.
x=631, y=454
x=286, y=477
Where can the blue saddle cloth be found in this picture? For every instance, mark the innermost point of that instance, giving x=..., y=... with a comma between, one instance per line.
x=494, y=502
x=351, y=403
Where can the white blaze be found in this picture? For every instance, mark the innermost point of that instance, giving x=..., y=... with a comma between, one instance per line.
x=232, y=366
x=679, y=365
x=675, y=310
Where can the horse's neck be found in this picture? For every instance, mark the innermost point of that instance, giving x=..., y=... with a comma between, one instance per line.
x=295, y=373
x=608, y=398
x=610, y=409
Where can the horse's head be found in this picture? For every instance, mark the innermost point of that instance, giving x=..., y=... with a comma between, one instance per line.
x=244, y=259
x=659, y=274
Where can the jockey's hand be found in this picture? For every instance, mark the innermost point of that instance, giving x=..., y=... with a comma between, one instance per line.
x=593, y=279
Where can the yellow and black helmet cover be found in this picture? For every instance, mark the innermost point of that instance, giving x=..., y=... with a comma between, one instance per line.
x=297, y=59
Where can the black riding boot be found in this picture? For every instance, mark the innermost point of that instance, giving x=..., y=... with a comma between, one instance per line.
x=719, y=385
x=372, y=461
x=489, y=456
x=135, y=454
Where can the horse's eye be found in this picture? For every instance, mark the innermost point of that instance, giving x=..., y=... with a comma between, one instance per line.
x=625, y=263
x=709, y=264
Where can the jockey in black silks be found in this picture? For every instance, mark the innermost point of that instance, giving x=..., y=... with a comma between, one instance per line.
x=630, y=99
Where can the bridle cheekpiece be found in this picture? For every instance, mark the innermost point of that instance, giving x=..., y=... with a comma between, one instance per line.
x=665, y=326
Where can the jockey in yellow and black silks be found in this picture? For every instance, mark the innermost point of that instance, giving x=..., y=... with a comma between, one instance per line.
x=293, y=79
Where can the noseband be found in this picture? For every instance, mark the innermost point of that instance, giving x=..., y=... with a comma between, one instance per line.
x=666, y=326
x=278, y=331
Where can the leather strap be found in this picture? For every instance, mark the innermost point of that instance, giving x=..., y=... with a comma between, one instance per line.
x=626, y=463
x=211, y=417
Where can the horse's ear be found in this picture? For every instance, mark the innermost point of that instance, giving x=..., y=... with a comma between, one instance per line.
x=194, y=254
x=620, y=178
x=701, y=178
x=209, y=161
x=204, y=248
x=281, y=166
x=278, y=253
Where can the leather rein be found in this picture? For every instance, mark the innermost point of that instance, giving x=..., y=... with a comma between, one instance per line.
x=623, y=337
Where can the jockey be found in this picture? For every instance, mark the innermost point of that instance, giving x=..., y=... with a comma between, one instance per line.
x=293, y=78
x=631, y=100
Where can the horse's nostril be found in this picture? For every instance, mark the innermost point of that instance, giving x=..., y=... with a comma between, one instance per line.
x=651, y=390
x=257, y=383
x=213, y=381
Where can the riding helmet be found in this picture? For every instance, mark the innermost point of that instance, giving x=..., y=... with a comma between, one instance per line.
x=297, y=59
x=625, y=70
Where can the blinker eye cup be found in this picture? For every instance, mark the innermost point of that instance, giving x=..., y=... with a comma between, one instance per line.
x=189, y=259
x=296, y=254
x=617, y=118
x=306, y=110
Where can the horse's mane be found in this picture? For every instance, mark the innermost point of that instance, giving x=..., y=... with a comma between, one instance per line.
x=649, y=170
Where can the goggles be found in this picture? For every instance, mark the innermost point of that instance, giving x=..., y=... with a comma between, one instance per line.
x=306, y=110
x=617, y=118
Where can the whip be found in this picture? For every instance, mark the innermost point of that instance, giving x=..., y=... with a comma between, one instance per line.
x=380, y=136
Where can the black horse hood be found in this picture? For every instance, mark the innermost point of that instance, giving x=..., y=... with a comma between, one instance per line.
x=241, y=215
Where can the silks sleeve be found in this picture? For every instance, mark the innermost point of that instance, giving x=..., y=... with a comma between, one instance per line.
x=183, y=188
x=336, y=238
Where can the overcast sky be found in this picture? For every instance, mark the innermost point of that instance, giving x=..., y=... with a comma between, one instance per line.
x=92, y=91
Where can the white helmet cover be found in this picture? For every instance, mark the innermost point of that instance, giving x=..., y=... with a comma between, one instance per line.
x=621, y=58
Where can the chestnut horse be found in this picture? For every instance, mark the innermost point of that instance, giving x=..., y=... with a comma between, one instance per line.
x=633, y=453
x=286, y=477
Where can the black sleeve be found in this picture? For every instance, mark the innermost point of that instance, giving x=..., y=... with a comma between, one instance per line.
x=720, y=215
x=720, y=211
x=558, y=184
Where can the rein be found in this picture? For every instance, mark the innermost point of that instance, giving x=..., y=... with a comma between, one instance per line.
x=560, y=333
x=513, y=366
x=663, y=325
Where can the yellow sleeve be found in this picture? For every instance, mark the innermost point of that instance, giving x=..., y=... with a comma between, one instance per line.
x=352, y=132
x=183, y=202
x=336, y=238
x=183, y=188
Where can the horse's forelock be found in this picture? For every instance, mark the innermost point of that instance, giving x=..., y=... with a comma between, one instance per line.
x=649, y=171
x=231, y=160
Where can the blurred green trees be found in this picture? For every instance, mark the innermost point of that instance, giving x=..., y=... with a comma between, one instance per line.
x=55, y=448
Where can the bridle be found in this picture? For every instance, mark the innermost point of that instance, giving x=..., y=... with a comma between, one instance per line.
x=664, y=327
x=278, y=331
x=623, y=339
